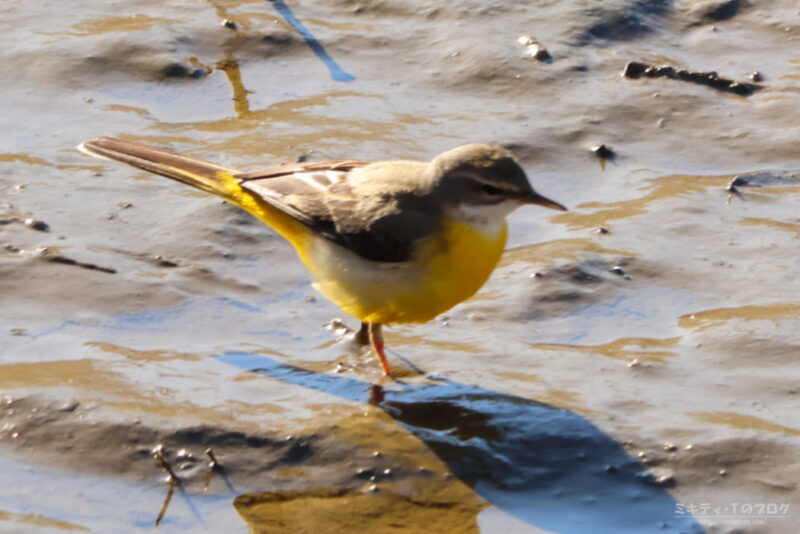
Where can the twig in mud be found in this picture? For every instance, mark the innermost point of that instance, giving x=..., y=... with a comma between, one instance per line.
x=635, y=70
x=58, y=258
x=170, y=490
x=158, y=453
x=213, y=465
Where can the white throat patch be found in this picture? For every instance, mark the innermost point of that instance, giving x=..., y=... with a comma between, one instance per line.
x=488, y=218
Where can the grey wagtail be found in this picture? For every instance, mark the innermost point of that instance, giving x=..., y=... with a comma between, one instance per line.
x=388, y=242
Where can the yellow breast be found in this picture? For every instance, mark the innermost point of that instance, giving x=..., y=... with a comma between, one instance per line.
x=447, y=268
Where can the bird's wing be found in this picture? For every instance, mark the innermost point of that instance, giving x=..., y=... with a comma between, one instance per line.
x=300, y=190
x=378, y=224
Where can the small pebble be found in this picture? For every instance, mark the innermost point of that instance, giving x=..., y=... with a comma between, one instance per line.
x=618, y=270
x=161, y=262
x=35, y=224
x=670, y=447
x=230, y=24
x=373, y=489
x=603, y=152
x=535, y=49
x=667, y=480
x=601, y=230
x=311, y=298
x=635, y=363
x=722, y=472
x=18, y=331
x=337, y=326
x=70, y=406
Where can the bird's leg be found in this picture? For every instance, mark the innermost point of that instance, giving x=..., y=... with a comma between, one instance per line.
x=376, y=337
x=362, y=336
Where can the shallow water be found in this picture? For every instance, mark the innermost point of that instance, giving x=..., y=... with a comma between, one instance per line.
x=666, y=344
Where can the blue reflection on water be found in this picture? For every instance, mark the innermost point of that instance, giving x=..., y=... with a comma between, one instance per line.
x=337, y=73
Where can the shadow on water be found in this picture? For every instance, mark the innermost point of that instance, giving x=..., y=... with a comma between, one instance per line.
x=547, y=466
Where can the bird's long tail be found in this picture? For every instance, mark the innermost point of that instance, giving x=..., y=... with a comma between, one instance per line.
x=200, y=174
x=209, y=177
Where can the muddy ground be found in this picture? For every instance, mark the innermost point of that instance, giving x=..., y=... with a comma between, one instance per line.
x=632, y=366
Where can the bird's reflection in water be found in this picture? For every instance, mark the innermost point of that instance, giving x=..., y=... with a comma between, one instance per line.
x=546, y=466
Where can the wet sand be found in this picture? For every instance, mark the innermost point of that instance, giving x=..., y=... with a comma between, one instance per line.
x=630, y=367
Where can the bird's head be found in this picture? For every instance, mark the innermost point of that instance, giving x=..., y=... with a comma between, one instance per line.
x=483, y=183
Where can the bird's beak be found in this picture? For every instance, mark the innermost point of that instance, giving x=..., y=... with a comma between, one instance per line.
x=536, y=198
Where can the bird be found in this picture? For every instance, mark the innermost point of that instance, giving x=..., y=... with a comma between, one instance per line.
x=389, y=242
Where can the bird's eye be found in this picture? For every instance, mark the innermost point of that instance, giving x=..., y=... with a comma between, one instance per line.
x=492, y=190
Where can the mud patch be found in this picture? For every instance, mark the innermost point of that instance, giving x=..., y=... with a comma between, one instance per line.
x=70, y=435
x=342, y=511
x=633, y=20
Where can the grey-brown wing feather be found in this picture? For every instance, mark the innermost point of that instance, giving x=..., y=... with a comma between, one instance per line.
x=382, y=226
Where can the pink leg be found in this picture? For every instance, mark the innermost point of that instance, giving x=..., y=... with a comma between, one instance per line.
x=376, y=337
